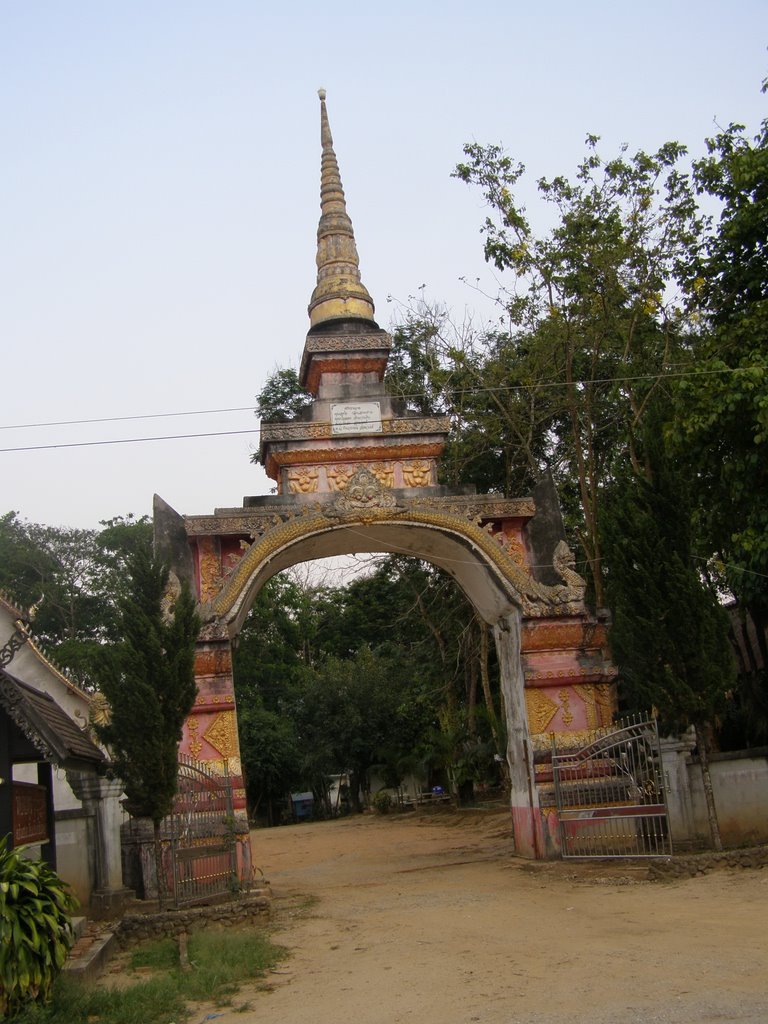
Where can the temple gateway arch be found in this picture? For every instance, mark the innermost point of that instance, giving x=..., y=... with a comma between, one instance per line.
x=356, y=472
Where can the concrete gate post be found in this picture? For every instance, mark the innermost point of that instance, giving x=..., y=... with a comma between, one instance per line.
x=675, y=752
x=100, y=797
x=526, y=817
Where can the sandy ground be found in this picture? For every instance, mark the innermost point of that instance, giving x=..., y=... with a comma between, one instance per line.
x=430, y=919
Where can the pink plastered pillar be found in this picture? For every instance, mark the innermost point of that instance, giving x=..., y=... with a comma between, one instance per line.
x=210, y=732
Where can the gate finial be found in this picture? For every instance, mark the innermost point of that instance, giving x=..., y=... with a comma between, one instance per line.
x=339, y=294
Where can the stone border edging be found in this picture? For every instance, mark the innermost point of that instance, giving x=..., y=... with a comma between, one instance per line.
x=137, y=927
x=689, y=865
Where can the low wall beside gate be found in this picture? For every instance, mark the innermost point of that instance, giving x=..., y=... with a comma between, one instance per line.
x=740, y=785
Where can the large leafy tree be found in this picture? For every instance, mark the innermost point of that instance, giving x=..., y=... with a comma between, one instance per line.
x=272, y=754
x=489, y=383
x=75, y=577
x=590, y=309
x=55, y=566
x=721, y=423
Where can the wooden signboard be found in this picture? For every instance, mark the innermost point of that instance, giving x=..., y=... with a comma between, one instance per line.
x=30, y=820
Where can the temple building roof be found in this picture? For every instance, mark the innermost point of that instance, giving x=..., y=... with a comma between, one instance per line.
x=49, y=729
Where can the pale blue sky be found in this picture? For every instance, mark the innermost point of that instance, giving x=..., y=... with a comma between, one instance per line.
x=159, y=194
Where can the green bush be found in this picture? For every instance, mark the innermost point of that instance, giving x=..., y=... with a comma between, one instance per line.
x=35, y=928
x=382, y=802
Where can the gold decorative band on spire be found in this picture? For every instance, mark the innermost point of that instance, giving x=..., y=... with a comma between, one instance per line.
x=339, y=293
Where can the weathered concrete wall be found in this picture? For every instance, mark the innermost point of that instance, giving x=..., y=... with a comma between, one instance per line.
x=740, y=784
x=75, y=852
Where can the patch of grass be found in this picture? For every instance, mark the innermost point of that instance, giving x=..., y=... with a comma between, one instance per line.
x=221, y=961
x=155, y=1001
x=160, y=955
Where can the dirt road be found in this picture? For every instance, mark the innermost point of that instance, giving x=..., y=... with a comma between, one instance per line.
x=430, y=920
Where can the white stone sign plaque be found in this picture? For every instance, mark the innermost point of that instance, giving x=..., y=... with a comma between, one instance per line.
x=356, y=418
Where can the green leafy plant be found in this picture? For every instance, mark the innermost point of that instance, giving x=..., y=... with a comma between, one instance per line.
x=35, y=928
x=382, y=802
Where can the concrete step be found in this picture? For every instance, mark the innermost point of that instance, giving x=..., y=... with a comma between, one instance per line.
x=91, y=952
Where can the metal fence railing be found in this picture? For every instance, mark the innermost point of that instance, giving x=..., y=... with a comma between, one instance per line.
x=206, y=852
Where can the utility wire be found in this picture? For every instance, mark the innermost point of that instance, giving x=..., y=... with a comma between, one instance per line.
x=119, y=419
x=496, y=389
x=124, y=440
x=729, y=565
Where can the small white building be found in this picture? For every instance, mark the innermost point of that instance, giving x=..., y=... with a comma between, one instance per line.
x=55, y=793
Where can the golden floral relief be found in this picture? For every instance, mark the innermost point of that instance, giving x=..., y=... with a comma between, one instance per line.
x=339, y=476
x=222, y=734
x=565, y=704
x=195, y=745
x=384, y=473
x=599, y=703
x=417, y=474
x=303, y=480
x=541, y=710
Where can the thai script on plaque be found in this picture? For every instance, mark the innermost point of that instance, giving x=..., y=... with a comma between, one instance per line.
x=356, y=418
x=29, y=816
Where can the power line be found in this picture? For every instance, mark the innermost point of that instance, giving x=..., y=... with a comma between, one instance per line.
x=730, y=565
x=119, y=419
x=496, y=389
x=125, y=440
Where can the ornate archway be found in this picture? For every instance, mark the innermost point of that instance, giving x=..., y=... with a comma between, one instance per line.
x=357, y=472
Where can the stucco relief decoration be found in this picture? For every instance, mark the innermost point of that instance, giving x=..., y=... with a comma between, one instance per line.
x=210, y=569
x=541, y=710
x=417, y=474
x=304, y=480
x=366, y=500
x=599, y=703
x=565, y=704
x=222, y=734
x=348, y=342
x=231, y=766
x=100, y=711
x=339, y=476
x=294, y=431
x=384, y=473
x=405, y=425
x=170, y=597
x=233, y=557
x=195, y=745
x=362, y=492
x=566, y=741
x=572, y=592
x=516, y=551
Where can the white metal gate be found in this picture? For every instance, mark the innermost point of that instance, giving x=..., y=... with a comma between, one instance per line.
x=610, y=794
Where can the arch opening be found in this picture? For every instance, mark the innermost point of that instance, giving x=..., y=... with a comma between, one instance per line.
x=490, y=595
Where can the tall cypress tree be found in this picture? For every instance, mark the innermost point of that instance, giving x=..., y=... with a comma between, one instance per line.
x=670, y=634
x=148, y=680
